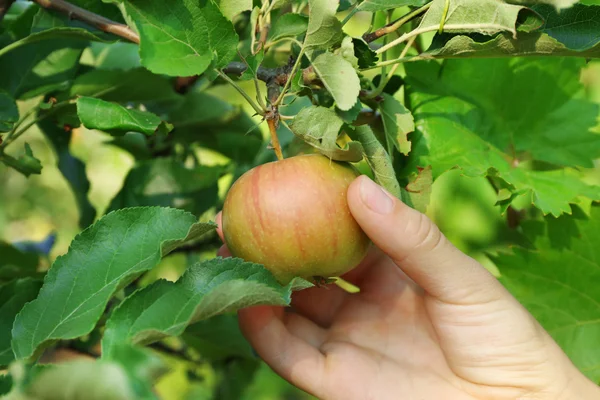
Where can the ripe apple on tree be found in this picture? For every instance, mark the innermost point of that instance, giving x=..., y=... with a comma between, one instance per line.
x=292, y=216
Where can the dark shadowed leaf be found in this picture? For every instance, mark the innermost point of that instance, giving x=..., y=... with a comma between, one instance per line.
x=72, y=169
x=218, y=338
x=578, y=27
x=13, y=297
x=16, y=263
x=217, y=125
x=366, y=57
x=168, y=183
x=136, y=85
x=9, y=113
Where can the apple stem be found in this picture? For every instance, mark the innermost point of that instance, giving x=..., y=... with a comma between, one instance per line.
x=274, y=138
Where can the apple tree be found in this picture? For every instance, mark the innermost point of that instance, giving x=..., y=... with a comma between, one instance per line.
x=195, y=93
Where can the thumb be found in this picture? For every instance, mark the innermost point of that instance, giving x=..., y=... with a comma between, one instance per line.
x=419, y=248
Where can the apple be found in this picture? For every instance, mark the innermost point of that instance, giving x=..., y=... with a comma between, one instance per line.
x=292, y=217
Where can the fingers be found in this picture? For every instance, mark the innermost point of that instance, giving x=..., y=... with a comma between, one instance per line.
x=219, y=222
x=418, y=247
x=287, y=354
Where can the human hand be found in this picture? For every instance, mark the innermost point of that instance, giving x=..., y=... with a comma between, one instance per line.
x=429, y=323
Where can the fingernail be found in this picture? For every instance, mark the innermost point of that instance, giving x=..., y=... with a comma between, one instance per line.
x=375, y=197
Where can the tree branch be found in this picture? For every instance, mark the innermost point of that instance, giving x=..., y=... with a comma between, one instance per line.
x=4, y=6
x=98, y=21
x=272, y=76
x=394, y=26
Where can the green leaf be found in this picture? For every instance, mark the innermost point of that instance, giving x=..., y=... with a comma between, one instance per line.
x=19, y=18
x=112, y=56
x=324, y=29
x=168, y=183
x=319, y=127
x=118, y=120
x=45, y=20
x=467, y=121
x=107, y=255
x=143, y=369
x=556, y=3
x=182, y=38
x=381, y=5
x=339, y=77
x=231, y=8
x=347, y=52
x=366, y=57
x=557, y=284
x=60, y=33
x=398, y=122
x=218, y=338
x=40, y=68
x=136, y=85
x=13, y=296
x=578, y=27
x=26, y=164
x=252, y=63
x=9, y=113
x=72, y=169
x=379, y=160
x=235, y=377
x=218, y=125
x=206, y=289
x=81, y=379
x=473, y=16
x=109, y=11
x=15, y=263
x=135, y=143
x=572, y=32
x=502, y=45
x=289, y=25
x=418, y=192
x=5, y=384
x=350, y=115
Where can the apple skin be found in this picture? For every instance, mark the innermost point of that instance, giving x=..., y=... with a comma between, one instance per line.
x=292, y=216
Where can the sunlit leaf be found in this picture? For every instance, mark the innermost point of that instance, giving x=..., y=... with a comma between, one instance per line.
x=104, y=257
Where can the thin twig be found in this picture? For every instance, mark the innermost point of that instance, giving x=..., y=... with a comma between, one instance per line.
x=385, y=79
x=272, y=122
x=245, y=95
x=290, y=77
x=98, y=21
x=394, y=26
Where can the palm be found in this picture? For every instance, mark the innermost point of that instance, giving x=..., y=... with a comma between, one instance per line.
x=393, y=338
x=386, y=332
